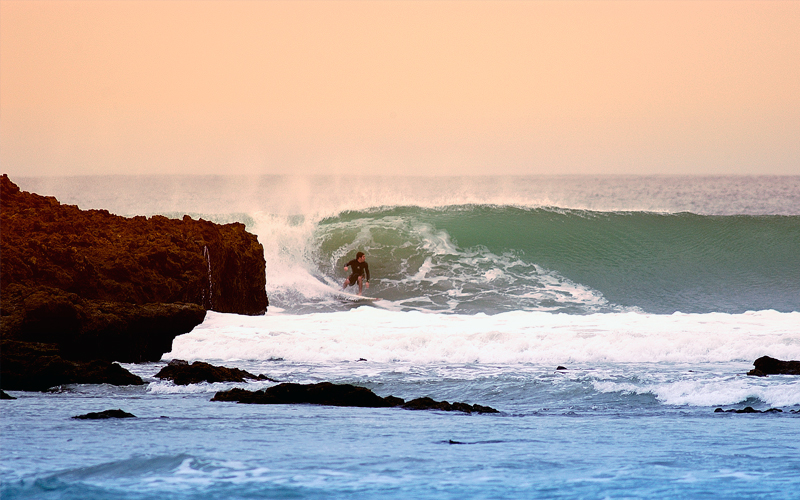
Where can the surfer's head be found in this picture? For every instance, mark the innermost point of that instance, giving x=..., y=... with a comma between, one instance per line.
x=360, y=256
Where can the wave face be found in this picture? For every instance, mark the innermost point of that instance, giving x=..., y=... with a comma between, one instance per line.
x=485, y=258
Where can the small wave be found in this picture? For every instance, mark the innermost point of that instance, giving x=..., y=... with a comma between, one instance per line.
x=704, y=390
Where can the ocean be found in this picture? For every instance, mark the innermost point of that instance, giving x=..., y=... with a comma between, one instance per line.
x=655, y=294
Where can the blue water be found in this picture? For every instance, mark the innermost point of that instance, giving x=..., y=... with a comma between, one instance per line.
x=615, y=446
x=656, y=294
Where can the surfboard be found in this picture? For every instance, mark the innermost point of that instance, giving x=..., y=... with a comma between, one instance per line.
x=336, y=290
x=355, y=297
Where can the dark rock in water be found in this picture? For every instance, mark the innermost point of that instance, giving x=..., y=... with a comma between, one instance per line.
x=559, y=367
x=430, y=404
x=326, y=393
x=31, y=366
x=183, y=373
x=749, y=409
x=105, y=414
x=3, y=395
x=766, y=365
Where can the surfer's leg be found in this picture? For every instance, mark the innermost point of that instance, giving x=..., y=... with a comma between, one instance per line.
x=360, y=284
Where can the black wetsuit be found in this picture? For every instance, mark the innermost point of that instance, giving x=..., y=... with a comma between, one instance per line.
x=357, y=269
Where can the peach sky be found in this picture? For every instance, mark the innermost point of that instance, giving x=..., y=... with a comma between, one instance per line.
x=396, y=87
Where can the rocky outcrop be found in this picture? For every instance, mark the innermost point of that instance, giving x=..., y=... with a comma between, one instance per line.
x=94, y=329
x=99, y=287
x=138, y=260
x=183, y=373
x=33, y=366
x=770, y=366
x=326, y=393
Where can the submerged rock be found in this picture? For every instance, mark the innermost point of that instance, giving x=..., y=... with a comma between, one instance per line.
x=327, y=393
x=183, y=373
x=766, y=365
x=105, y=414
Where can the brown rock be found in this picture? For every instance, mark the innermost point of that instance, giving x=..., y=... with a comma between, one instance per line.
x=94, y=329
x=766, y=365
x=430, y=404
x=96, y=286
x=183, y=373
x=105, y=414
x=32, y=366
x=101, y=256
x=326, y=393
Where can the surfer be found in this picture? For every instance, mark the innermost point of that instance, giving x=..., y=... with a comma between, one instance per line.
x=358, y=269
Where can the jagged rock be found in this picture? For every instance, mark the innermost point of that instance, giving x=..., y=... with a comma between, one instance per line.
x=139, y=260
x=3, y=395
x=183, y=373
x=429, y=404
x=748, y=409
x=95, y=329
x=766, y=365
x=326, y=393
x=105, y=414
x=97, y=286
x=32, y=366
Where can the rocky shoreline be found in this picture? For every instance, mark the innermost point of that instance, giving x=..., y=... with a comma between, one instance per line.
x=82, y=289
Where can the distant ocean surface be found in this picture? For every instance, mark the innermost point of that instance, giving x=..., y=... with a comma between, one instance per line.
x=656, y=294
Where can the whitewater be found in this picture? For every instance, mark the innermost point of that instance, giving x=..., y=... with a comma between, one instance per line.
x=652, y=294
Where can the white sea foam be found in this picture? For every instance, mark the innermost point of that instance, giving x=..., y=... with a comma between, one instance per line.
x=699, y=388
x=168, y=387
x=516, y=337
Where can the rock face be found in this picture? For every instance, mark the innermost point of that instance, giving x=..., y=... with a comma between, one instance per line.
x=93, y=286
x=326, y=393
x=94, y=329
x=770, y=366
x=32, y=366
x=183, y=373
x=139, y=260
